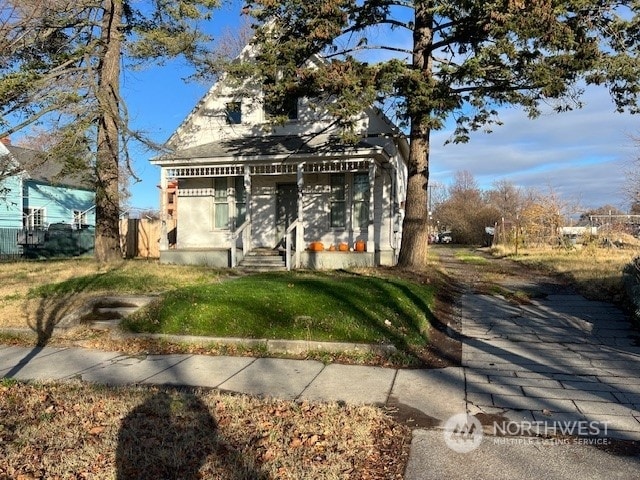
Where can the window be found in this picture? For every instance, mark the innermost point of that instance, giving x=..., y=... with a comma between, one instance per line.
x=220, y=204
x=79, y=218
x=34, y=218
x=361, y=200
x=234, y=113
x=241, y=201
x=338, y=205
x=278, y=106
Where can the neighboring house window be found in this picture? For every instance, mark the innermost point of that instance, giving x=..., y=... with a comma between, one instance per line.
x=79, y=218
x=361, y=200
x=34, y=218
x=234, y=113
x=337, y=202
x=241, y=201
x=220, y=204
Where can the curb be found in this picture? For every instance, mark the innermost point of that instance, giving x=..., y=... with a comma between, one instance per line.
x=269, y=345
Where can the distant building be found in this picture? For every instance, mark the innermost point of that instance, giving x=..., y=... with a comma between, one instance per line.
x=578, y=231
x=36, y=194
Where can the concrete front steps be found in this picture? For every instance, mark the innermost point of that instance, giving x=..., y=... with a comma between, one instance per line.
x=263, y=260
x=105, y=313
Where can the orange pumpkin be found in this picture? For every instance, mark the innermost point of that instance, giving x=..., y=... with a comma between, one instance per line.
x=361, y=246
x=343, y=247
x=316, y=246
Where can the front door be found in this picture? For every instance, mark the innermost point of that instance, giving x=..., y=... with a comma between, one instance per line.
x=286, y=209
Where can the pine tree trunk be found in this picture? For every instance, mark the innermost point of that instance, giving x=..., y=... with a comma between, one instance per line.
x=108, y=152
x=415, y=228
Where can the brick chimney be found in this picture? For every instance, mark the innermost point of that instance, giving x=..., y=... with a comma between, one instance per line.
x=6, y=140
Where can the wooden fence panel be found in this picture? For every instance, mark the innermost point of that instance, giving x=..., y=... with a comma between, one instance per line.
x=141, y=237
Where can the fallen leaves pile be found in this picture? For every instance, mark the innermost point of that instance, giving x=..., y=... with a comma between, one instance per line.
x=80, y=431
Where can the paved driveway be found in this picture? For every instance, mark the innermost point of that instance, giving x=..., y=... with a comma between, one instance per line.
x=557, y=365
x=557, y=361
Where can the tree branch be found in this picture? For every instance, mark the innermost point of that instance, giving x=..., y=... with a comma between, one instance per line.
x=368, y=47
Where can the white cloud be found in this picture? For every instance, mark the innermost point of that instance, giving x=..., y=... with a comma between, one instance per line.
x=581, y=154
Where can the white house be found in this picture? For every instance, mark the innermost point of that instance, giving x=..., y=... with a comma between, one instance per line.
x=247, y=188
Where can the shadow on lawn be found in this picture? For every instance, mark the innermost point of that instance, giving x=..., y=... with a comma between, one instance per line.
x=400, y=322
x=171, y=436
x=337, y=306
x=56, y=306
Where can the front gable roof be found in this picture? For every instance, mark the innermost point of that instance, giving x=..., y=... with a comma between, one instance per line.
x=38, y=168
x=206, y=133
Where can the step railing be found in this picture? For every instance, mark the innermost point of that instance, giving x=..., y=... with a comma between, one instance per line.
x=296, y=226
x=243, y=231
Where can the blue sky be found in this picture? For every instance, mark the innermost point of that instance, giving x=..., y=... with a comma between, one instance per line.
x=582, y=154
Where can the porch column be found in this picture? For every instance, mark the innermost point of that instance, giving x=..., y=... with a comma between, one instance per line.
x=247, y=191
x=300, y=229
x=371, y=231
x=246, y=239
x=164, y=234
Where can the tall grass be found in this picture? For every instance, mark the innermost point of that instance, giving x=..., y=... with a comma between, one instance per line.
x=595, y=271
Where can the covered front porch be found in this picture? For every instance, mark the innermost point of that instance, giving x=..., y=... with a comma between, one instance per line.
x=314, y=211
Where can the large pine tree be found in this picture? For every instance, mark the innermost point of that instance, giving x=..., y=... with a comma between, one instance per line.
x=60, y=65
x=459, y=60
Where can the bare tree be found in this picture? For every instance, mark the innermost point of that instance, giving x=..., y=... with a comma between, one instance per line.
x=507, y=198
x=466, y=211
x=631, y=186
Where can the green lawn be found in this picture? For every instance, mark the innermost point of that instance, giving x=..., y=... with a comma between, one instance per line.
x=379, y=306
x=468, y=257
x=336, y=306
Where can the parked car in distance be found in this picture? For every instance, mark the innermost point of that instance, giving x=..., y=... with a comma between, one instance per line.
x=445, y=237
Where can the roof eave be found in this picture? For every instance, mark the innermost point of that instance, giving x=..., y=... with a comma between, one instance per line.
x=377, y=153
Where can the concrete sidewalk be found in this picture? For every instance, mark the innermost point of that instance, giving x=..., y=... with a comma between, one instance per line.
x=434, y=394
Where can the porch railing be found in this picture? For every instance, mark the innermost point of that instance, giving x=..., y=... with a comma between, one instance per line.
x=296, y=226
x=243, y=231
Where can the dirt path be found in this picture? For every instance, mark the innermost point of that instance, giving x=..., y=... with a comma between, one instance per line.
x=477, y=271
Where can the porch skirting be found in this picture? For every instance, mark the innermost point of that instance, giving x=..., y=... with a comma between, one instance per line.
x=209, y=257
x=221, y=258
x=336, y=260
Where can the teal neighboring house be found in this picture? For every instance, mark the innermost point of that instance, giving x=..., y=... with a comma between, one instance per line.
x=43, y=213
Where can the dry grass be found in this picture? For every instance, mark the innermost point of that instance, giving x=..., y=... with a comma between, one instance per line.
x=595, y=271
x=20, y=307
x=16, y=279
x=74, y=430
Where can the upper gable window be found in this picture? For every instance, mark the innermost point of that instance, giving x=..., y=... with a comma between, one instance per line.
x=288, y=108
x=79, y=219
x=233, y=112
x=280, y=107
